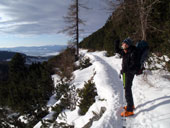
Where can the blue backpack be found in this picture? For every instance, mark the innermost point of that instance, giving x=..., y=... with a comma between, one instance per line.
x=143, y=51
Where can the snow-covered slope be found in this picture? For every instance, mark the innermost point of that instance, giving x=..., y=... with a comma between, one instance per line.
x=151, y=92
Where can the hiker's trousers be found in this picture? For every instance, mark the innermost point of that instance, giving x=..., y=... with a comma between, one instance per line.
x=128, y=91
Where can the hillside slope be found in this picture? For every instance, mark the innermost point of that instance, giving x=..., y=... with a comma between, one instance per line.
x=124, y=23
x=151, y=96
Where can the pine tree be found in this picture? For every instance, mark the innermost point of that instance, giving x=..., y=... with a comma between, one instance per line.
x=17, y=68
x=17, y=76
x=87, y=95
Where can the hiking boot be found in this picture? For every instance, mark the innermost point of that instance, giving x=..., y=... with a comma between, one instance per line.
x=125, y=107
x=126, y=114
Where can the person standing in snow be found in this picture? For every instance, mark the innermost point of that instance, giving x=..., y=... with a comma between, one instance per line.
x=129, y=65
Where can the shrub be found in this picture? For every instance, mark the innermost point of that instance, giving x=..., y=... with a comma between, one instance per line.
x=58, y=109
x=84, y=62
x=62, y=125
x=69, y=99
x=87, y=95
x=61, y=88
x=66, y=93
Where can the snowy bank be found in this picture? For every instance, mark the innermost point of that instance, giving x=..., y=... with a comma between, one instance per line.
x=151, y=92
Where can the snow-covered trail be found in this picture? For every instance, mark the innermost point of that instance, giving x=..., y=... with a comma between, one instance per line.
x=109, y=87
x=151, y=97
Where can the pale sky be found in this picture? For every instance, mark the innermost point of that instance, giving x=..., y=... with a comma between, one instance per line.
x=37, y=22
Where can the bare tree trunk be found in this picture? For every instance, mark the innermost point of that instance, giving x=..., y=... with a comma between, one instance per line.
x=142, y=18
x=73, y=21
x=144, y=8
x=77, y=28
x=144, y=12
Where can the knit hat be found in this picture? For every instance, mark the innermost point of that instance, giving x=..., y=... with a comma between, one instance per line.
x=127, y=41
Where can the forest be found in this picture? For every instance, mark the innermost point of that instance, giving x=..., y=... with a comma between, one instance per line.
x=125, y=22
x=24, y=90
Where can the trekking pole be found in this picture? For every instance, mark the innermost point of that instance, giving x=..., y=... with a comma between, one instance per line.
x=124, y=80
x=124, y=119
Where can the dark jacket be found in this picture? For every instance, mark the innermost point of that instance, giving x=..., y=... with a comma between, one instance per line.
x=129, y=61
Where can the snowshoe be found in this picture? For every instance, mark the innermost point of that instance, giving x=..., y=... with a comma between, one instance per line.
x=127, y=113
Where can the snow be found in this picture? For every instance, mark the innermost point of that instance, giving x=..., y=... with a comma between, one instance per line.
x=83, y=75
x=22, y=118
x=152, y=99
x=151, y=92
x=52, y=101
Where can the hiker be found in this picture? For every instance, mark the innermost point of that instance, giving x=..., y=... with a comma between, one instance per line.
x=129, y=65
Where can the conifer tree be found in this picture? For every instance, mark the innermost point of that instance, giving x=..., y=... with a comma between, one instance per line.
x=73, y=22
x=17, y=68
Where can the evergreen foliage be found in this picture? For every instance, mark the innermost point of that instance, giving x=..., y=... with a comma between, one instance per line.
x=84, y=62
x=63, y=65
x=7, y=121
x=124, y=23
x=101, y=40
x=87, y=95
x=67, y=97
x=3, y=71
x=27, y=90
x=66, y=93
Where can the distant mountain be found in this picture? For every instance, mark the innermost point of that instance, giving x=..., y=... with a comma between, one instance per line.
x=49, y=50
x=5, y=55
